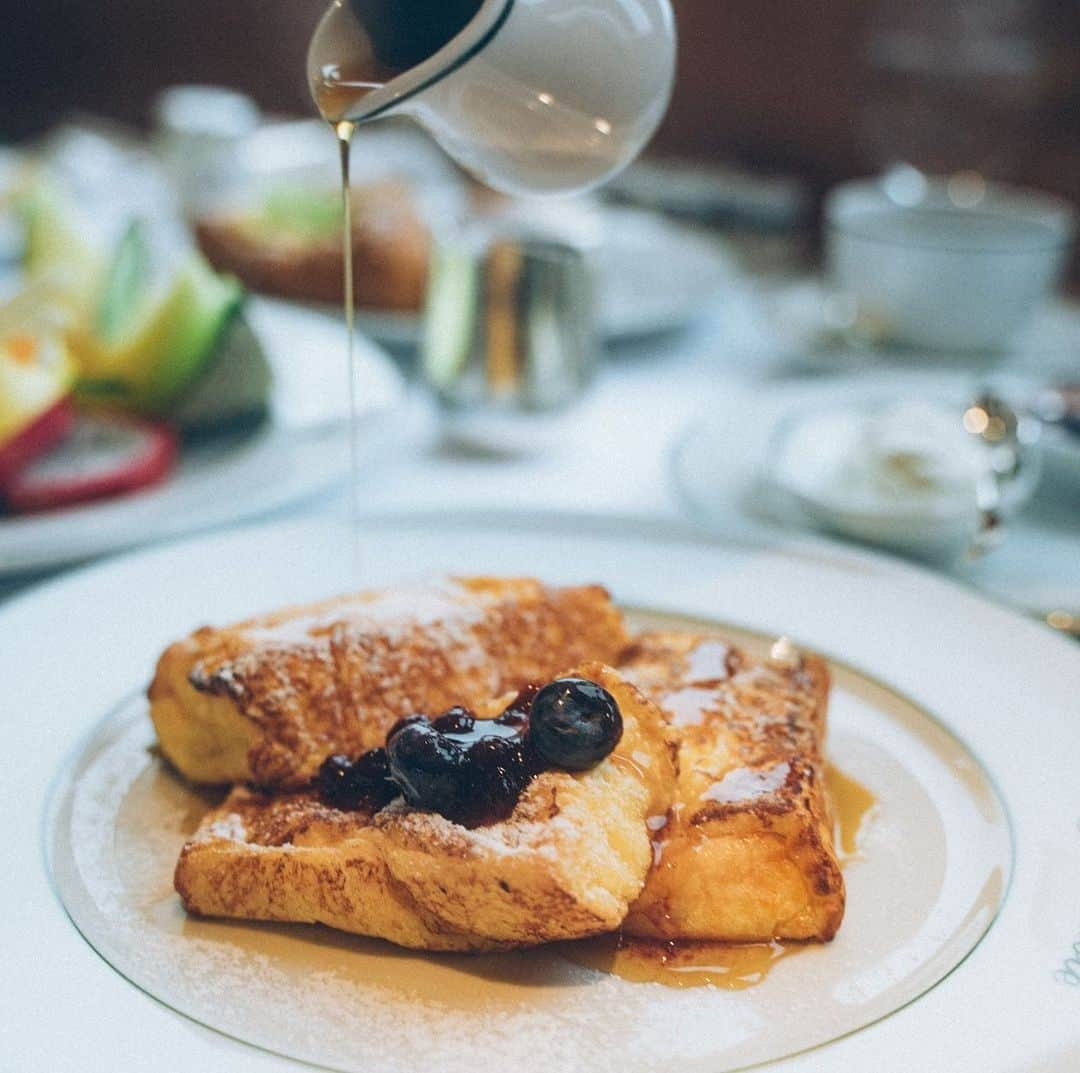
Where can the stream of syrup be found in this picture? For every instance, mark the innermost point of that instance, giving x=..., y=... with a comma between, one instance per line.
x=731, y=966
x=344, y=129
x=357, y=49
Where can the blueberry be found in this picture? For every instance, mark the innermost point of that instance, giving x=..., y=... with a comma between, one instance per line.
x=349, y=784
x=372, y=767
x=335, y=781
x=574, y=724
x=430, y=769
x=516, y=720
x=497, y=775
x=522, y=704
x=455, y=721
x=406, y=722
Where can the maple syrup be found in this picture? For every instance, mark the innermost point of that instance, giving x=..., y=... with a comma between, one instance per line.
x=730, y=966
x=852, y=803
x=344, y=129
x=360, y=46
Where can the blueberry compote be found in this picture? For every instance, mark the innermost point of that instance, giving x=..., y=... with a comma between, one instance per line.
x=361, y=783
x=471, y=770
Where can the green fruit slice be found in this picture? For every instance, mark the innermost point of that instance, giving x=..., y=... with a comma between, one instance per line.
x=125, y=284
x=162, y=354
x=234, y=384
x=450, y=316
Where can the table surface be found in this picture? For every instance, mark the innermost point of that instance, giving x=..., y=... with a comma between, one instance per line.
x=611, y=452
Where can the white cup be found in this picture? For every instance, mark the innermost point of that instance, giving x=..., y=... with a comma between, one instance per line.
x=940, y=264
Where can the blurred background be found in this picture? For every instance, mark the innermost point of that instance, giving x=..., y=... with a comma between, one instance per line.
x=836, y=296
x=822, y=92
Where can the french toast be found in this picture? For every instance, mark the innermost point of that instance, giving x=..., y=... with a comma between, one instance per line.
x=747, y=853
x=566, y=864
x=266, y=700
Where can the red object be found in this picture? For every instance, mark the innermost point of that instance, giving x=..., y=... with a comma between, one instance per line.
x=102, y=456
x=43, y=433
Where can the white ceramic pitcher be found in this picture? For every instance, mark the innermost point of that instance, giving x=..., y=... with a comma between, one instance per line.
x=532, y=96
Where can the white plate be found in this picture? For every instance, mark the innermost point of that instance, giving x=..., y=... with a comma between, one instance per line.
x=803, y=325
x=655, y=276
x=120, y=816
x=1062, y=450
x=718, y=462
x=1006, y=688
x=302, y=450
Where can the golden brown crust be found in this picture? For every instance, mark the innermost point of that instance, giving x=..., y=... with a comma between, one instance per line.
x=268, y=699
x=747, y=853
x=285, y=859
x=729, y=753
x=391, y=245
x=566, y=863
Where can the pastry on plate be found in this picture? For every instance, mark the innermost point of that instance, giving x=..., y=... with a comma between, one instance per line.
x=289, y=245
x=563, y=860
x=747, y=853
x=267, y=700
x=680, y=797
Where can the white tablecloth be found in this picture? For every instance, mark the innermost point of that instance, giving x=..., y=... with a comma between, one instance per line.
x=611, y=453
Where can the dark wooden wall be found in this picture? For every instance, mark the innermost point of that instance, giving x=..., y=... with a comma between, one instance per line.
x=771, y=82
x=112, y=56
x=779, y=85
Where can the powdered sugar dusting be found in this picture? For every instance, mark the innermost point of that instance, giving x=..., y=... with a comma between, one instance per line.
x=339, y=626
x=690, y=706
x=230, y=827
x=394, y=610
x=335, y=676
x=745, y=784
x=708, y=662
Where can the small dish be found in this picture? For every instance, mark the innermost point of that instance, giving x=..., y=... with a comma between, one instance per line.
x=716, y=471
x=901, y=473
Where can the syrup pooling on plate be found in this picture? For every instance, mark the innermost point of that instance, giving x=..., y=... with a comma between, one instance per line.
x=730, y=966
x=852, y=806
x=357, y=996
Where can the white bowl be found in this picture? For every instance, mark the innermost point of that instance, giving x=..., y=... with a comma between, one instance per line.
x=894, y=473
x=945, y=264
